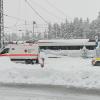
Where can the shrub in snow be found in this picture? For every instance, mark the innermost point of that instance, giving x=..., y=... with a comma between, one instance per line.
x=84, y=52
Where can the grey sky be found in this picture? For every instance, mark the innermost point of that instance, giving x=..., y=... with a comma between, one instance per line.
x=52, y=11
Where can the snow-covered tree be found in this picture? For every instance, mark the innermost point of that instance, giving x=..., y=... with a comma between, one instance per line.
x=78, y=28
x=50, y=31
x=84, y=52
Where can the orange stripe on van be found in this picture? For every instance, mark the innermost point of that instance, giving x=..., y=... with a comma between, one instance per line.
x=18, y=54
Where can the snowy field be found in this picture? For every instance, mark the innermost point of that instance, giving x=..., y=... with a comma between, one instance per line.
x=69, y=71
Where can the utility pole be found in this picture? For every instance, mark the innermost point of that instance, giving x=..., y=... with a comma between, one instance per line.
x=26, y=32
x=33, y=29
x=1, y=25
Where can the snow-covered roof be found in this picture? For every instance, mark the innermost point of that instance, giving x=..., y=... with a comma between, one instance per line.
x=63, y=42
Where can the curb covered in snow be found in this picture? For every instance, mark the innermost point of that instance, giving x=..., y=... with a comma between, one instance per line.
x=50, y=87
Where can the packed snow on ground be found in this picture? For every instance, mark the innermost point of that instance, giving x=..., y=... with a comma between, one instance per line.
x=62, y=70
x=70, y=53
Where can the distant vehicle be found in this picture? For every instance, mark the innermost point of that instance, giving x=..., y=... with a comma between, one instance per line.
x=68, y=44
x=71, y=47
x=27, y=52
x=96, y=59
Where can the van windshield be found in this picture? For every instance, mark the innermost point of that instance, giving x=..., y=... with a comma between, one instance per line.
x=6, y=50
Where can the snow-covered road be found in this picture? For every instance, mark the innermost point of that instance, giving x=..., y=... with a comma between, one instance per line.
x=42, y=92
x=64, y=70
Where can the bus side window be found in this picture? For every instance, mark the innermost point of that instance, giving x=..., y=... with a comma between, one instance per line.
x=6, y=50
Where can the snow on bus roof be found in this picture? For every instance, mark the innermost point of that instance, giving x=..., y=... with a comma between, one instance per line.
x=64, y=41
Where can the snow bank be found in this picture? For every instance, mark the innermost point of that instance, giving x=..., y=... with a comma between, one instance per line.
x=61, y=71
x=70, y=53
x=5, y=63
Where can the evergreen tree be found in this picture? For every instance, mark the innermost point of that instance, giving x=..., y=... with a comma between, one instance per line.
x=50, y=31
x=86, y=28
x=75, y=29
x=56, y=30
x=62, y=30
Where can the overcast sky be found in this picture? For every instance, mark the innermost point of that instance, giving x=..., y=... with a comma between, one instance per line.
x=50, y=10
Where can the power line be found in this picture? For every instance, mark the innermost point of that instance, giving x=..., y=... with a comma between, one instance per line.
x=55, y=7
x=30, y=25
x=38, y=27
x=14, y=17
x=36, y=11
x=60, y=11
x=18, y=10
x=17, y=18
x=50, y=13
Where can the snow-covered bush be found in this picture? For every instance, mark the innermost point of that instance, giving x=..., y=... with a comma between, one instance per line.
x=84, y=52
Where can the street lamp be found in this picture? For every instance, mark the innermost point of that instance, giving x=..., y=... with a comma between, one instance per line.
x=33, y=27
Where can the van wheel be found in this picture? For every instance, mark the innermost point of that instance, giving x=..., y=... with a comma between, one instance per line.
x=94, y=64
x=37, y=61
x=97, y=63
x=28, y=61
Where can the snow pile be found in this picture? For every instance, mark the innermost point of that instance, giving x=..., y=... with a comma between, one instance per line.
x=5, y=63
x=58, y=71
x=70, y=53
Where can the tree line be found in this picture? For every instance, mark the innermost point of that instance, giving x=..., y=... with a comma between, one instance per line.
x=78, y=28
